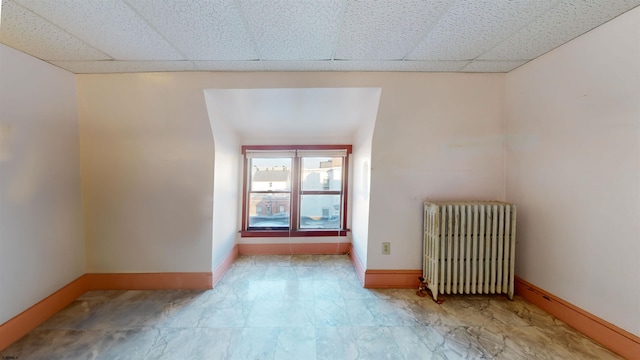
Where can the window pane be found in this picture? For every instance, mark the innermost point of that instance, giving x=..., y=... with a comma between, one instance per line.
x=322, y=173
x=320, y=212
x=269, y=210
x=270, y=174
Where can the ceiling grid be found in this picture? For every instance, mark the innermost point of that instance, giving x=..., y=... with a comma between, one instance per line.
x=95, y=36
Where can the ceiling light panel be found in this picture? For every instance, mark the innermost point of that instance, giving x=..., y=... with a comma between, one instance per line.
x=202, y=29
x=471, y=27
x=569, y=20
x=293, y=30
x=110, y=26
x=386, y=30
x=28, y=32
x=105, y=67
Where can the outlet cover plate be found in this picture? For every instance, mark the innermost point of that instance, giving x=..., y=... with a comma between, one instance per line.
x=386, y=248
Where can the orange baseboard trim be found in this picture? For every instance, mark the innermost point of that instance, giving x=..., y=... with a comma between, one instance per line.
x=381, y=279
x=294, y=249
x=222, y=268
x=150, y=281
x=29, y=319
x=610, y=336
x=403, y=279
x=357, y=264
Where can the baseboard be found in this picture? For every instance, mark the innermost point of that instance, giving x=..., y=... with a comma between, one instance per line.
x=29, y=319
x=403, y=279
x=612, y=337
x=222, y=268
x=150, y=281
x=294, y=249
x=357, y=264
x=376, y=279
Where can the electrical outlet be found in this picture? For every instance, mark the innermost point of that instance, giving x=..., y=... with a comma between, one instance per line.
x=386, y=248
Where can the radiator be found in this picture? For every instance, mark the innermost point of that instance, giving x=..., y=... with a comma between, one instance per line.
x=469, y=248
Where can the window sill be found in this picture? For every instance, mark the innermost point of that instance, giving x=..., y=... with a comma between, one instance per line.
x=294, y=233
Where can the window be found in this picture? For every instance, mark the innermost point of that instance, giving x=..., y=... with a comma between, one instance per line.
x=295, y=190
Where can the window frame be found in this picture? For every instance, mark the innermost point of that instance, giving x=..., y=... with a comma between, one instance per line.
x=294, y=229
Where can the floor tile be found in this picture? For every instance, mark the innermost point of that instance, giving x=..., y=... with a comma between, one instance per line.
x=336, y=343
x=265, y=313
x=195, y=343
x=256, y=343
x=302, y=290
x=225, y=314
x=296, y=344
x=298, y=314
x=327, y=289
x=416, y=342
x=331, y=312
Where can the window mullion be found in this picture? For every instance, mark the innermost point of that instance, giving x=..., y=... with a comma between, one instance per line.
x=345, y=191
x=295, y=192
x=245, y=196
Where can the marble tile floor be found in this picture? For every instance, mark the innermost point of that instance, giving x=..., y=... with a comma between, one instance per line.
x=299, y=307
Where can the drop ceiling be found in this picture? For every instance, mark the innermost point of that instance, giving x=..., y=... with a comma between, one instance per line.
x=113, y=36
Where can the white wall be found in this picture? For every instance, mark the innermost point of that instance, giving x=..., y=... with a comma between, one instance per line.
x=361, y=182
x=147, y=160
x=147, y=173
x=226, y=185
x=41, y=241
x=574, y=170
x=438, y=136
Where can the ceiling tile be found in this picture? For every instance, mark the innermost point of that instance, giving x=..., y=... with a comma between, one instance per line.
x=492, y=66
x=431, y=66
x=567, y=20
x=386, y=30
x=471, y=27
x=110, y=26
x=29, y=33
x=200, y=29
x=293, y=30
x=263, y=65
x=104, y=67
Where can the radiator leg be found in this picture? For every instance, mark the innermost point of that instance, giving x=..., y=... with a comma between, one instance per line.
x=423, y=290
